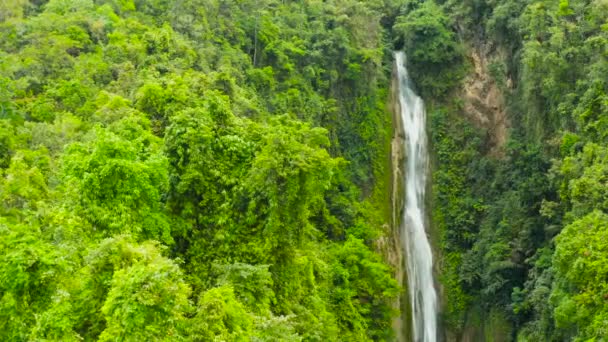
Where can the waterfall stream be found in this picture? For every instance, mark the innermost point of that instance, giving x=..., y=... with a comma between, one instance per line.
x=418, y=254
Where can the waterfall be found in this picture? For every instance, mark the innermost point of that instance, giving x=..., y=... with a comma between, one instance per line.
x=419, y=257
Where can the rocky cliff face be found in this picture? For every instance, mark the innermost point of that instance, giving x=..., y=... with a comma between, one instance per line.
x=393, y=248
x=484, y=102
x=483, y=99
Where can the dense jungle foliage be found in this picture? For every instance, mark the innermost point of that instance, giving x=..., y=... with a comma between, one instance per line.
x=524, y=233
x=206, y=170
x=196, y=170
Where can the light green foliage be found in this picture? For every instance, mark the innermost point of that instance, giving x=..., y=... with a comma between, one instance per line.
x=28, y=264
x=581, y=267
x=287, y=182
x=24, y=184
x=126, y=291
x=252, y=284
x=6, y=143
x=187, y=170
x=311, y=293
x=584, y=174
x=221, y=315
x=120, y=177
x=359, y=278
x=150, y=294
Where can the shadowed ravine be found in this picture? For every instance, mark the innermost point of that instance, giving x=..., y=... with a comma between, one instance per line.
x=418, y=253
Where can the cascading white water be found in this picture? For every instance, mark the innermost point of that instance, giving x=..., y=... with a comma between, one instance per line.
x=419, y=256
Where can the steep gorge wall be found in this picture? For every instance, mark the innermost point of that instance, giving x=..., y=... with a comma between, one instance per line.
x=483, y=105
x=483, y=98
x=480, y=100
x=511, y=99
x=395, y=255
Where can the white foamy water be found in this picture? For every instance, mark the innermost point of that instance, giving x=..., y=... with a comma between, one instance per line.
x=419, y=257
